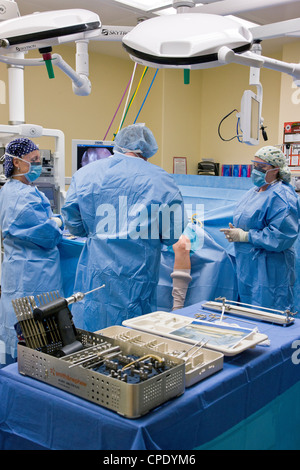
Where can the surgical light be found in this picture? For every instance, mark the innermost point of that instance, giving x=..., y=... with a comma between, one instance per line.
x=185, y=40
x=45, y=29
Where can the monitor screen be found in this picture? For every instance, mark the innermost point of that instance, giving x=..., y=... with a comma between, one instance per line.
x=87, y=151
x=51, y=193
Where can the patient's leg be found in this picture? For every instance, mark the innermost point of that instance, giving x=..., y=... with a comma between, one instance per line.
x=181, y=274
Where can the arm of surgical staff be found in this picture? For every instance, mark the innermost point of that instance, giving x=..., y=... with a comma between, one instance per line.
x=35, y=226
x=71, y=213
x=280, y=234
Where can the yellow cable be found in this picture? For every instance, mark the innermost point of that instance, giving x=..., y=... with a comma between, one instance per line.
x=157, y=358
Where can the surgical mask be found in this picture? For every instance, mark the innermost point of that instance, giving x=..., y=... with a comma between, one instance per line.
x=35, y=169
x=258, y=178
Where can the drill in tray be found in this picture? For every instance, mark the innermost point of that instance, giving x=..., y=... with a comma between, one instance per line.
x=48, y=325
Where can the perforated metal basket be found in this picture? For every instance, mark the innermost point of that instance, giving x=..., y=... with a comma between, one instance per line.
x=127, y=399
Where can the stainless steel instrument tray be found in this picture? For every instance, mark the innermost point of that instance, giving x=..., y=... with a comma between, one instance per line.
x=130, y=400
x=227, y=339
x=200, y=362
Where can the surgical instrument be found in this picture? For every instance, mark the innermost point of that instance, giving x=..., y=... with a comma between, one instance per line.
x=49, y=325
x=251, y=311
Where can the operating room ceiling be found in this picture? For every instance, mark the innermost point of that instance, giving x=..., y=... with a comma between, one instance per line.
x=112, y=12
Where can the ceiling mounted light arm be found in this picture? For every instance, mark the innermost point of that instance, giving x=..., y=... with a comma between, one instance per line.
x=227, y=56
x=238, y=7
x=276, y=30
x=81, y=83
x=8, y=9
x=140, y=8
x=183, y=3
x=183, y=6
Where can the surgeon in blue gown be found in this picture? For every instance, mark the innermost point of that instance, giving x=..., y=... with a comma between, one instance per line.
x=126, y=207
x=31, y=233
x=265, y=228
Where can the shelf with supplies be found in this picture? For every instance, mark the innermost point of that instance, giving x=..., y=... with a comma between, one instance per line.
x=237, y=170
x=291, y=149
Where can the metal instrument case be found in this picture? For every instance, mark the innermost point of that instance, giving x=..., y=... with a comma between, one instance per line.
x=165, y=324
x=127, y=399
x=201, y=363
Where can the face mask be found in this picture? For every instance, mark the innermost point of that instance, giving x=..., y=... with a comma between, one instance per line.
x=35, y=171
x=258, y=178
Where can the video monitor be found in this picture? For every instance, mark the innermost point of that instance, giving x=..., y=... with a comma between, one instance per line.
x=87, y=151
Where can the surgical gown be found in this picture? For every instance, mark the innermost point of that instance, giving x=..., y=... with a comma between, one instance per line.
x=212, y=271
x=31, y=262
x=117, y=203
x=266, y=265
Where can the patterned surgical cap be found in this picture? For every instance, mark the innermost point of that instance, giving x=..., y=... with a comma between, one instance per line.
x=275, y=157
x=17, y=148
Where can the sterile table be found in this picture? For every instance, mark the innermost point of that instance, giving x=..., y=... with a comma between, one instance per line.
x=253, y=403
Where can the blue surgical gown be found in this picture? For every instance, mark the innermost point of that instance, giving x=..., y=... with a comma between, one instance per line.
x=31, y=262
x=266, y=265
x=117, y=203
x=212, y=271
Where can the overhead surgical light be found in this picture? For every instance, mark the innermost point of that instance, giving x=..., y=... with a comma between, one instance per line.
x=42, y=31
x=49, y=28
x=185, y=40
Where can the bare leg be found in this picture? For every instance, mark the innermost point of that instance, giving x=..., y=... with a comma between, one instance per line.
x=181, y=274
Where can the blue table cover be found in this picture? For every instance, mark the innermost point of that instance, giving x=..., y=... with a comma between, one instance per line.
x=34, y=415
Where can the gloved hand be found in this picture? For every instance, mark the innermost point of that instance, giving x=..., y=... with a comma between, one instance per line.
x=57, y=220
x=235, y=234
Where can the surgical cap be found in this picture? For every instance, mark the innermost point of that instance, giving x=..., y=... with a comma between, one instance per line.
x=17, y=148
x=275, y=157
x=136, y=138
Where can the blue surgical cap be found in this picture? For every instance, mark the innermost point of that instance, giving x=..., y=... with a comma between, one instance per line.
x=136, y=138
x=17, y=148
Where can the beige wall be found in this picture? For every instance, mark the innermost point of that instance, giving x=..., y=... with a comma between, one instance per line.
x=222, y=92
x=184, y=118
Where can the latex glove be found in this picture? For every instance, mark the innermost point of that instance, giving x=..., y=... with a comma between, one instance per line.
x=235, y=234
x=57, y=220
